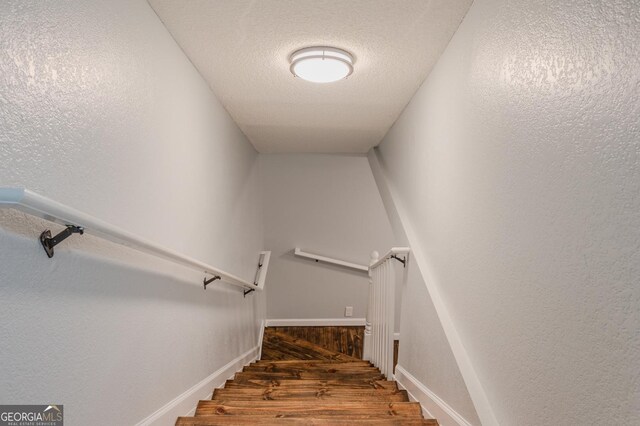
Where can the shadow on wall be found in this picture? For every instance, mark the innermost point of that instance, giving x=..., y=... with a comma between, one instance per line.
x=117, y=258
x=79, y=326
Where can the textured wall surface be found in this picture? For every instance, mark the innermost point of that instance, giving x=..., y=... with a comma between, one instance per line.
x=518, y=162
x=100, y=110
x=326, y=204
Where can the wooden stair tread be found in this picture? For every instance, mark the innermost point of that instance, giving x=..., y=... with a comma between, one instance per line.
x=307, y=364
x=306, y=390
x=309, y=375
x=321, y=369
x=310, y=383
x=303, y=408
x=317, y=421
x=312, y=394
x=310, y=361
x=311, y=364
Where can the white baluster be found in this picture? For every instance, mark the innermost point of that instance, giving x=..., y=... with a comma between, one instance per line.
x=383, y=277
x=390, y=316
x=367, y=344
x=385, y=310
x=374, y=319
x=377, y=318
x=380, y=314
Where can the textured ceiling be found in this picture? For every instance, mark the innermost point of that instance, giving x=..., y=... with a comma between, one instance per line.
x=242, y=48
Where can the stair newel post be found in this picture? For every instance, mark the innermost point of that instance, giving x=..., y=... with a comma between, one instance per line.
x=366, y=346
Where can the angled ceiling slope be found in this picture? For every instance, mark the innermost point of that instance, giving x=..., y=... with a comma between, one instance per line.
x=242, y=48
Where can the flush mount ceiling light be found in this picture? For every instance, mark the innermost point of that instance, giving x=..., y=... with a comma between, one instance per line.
x=321, y=64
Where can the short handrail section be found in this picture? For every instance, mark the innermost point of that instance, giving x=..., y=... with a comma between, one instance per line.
x=318, y=258
x=76, y=221
x=261, y=272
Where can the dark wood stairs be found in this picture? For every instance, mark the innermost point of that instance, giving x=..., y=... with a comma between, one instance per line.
x=299, y=383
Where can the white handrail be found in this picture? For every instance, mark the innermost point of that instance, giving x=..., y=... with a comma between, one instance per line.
x=325, y=259
x=263, y=266
x=37, y=205
x=393, y=252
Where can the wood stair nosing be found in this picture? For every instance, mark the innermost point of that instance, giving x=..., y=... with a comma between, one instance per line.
x=308, y=375
x=295, y=370
x=303, y=408
x=312, y=394
x=318, y=421
x=308, y=391
x=309, y=361
x=304, y=384
x=307, y=365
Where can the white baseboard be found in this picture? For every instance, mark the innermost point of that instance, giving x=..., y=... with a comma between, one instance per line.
x=432, y=405
x=317, y=322
x=185, y=404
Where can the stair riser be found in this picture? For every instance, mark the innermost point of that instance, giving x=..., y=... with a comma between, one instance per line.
x=307, y=392
x=308, y=412
x=305, y=409
x=296, y=370
x=307, y=375
x=310, y=397
x=309, y=362
x=304, y=365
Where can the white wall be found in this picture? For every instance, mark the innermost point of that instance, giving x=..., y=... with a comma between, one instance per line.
x=424, y=351
x=327, y=204
x=100, y=110
x=517, y=165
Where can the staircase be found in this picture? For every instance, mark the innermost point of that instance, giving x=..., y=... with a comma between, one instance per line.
x=299, y=383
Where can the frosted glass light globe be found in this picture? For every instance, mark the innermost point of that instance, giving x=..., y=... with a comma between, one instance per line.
x=321, y=64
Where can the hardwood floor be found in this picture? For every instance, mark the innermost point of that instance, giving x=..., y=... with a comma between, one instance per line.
x=346, y=340
x=280, y=345
x=304, y=384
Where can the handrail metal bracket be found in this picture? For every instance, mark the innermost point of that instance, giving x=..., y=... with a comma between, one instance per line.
x=248, y=291
x=403, y=260
x=48, y=242
x=206, y=281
